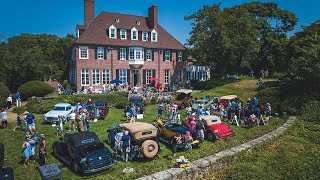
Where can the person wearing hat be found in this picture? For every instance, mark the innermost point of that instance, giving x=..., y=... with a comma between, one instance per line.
x=26, y=150
x=268, y=112
x=42, y=150
x=160, y=111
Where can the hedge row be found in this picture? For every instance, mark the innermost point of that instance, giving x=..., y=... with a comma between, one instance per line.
x=115, y=99
x=34, y=88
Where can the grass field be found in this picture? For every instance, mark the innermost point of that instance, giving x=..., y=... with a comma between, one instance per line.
x=295, y=155
x=14, y=140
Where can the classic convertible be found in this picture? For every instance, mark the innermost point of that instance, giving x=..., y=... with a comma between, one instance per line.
x=214, y=128
x=84, y=152
x=168, y=130
x=63, y=109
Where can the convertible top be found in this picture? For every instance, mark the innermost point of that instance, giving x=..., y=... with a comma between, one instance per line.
x=81, y=138
x=138, y=126
x=211, y=119
x=185, y=91
x=229, y=97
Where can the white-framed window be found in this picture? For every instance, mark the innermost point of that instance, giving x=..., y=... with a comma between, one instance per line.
x=105, y=76
x=83, y=52
x=148, y=76
x=112, y=32
x=122, y=54
x=100, y=53
x=123, y=75
x=179, y=56
x=85, y=77
x=167, y=76
x=95, y=76
x=167, y=55
x=123, y=34
x=149, y=55
x=134, y=34
x=136, y=53
x=145, y=36
x=180, y=75
x=154, y=36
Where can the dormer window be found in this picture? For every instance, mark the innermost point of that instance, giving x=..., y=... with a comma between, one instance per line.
x=123, y=34
x=154, y=36
x=134, y=34
x=117, y=20
x=112, y=32
x=138, y=22
x=145, y=36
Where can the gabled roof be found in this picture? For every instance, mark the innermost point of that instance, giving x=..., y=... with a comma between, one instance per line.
x=96, y=32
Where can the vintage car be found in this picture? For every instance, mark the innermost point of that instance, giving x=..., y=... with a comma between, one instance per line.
x=143, y=139
x=168, y=130
x=63, y=109
x=225, y=99
x=100, y=110
x=204, y=103
x=6, y=173
x=183, y=98
x=84, y=152
x=214, y=128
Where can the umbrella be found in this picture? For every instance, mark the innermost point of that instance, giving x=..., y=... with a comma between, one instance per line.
x=153, y=79
x=117, y=81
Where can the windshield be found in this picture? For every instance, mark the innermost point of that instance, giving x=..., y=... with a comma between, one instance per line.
x=59, y=108
x=92, y=147
x=135, y=101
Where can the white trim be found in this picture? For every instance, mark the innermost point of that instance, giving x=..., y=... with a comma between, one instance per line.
x=125, y=53
x=136, y=52
x=83, y=48
x=137, y=35
x=154, y=39
x=167, y=76
x=112, y=27
x=101, y=49
x=125, y=33
x=179, y=56
x=85, y=72
x=165, y=56
x=95, y=77
x=149, y=51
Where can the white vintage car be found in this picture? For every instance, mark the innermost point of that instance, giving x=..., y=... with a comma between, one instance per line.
x=63, y=109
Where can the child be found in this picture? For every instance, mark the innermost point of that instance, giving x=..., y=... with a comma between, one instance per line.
x=60, y=126
x=19, y=123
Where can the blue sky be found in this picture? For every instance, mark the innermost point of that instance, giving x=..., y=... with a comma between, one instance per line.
x=59, y=17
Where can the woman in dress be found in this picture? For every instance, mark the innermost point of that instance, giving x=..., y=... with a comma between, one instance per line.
x=26, y=151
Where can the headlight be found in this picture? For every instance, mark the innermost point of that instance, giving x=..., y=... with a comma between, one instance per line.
x=83, y=160
x=216, y=131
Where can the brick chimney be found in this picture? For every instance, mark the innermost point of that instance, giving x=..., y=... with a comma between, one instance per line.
x=153, y=16
x=88, y=11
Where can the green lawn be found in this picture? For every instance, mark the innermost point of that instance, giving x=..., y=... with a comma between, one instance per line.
x=14, y=140
x=295, y=155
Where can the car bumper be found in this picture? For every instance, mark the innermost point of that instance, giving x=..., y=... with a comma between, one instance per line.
x=50, y=120
x=87, y=171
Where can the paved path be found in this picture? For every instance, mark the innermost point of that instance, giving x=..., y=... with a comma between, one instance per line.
x=203, y=167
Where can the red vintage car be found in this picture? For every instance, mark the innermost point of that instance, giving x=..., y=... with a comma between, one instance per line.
x=214, y=128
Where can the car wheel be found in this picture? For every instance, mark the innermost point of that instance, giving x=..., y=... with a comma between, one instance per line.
x=211, y=136
x=149, y=148
x=75, y=166
x=7, y=173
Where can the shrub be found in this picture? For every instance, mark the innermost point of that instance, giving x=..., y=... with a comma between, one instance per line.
x=205, y=85
x=117, y=99
x=272, y=96
x=310, y=111
x=4, y=93
x=19, y=110
x=34, y=88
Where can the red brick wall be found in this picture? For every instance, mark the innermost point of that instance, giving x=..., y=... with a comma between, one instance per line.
x=53, y=83
x=93, y=63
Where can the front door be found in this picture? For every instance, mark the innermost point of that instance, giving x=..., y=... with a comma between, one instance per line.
x=136, y=77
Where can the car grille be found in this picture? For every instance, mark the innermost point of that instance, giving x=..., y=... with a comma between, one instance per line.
x=52, y=119
x=100, y=162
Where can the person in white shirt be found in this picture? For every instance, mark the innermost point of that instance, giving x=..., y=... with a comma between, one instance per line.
x=72, y=120
x=9, y=102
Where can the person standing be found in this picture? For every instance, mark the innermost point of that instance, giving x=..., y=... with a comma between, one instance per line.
x=199, y=111
x=26, y=151
x=132, y=113
x=174, y=145
x=18, y=99
x=160, y=111
x=252, y=74
x=126, y=143
x=60, y=125
x=30, y=121
x=255, y=102
x=19, y=123
x=9, y=102
x=80, y=125
x=72, y=120
x=42, y=150
x=4, y=118
x=33, y=143
x=87, y=121
x=268, y=113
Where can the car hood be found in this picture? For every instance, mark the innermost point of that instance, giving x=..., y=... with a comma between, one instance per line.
x=223, y=128
x=56, y=113
x=98, y=153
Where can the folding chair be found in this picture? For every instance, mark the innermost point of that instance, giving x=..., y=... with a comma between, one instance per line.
x=235, y=119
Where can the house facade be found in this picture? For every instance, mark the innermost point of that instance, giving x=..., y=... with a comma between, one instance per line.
x=130, y=48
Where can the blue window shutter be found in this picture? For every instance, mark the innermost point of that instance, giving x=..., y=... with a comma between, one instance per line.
x=152, y=55
x=145, y=54
x=117, y=74
x=170, y=55
x=127, y=54
x=128, y=76
x=144, y=76
x=163, y=55
x=153, y=73
x=119, y=53
x=104, y=53
x=96, y=53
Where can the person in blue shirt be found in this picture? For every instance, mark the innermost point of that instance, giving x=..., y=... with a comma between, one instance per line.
x=18, y=99
x=199, y=111
x=255, y=102
x=33, y=144
x=68, y=92
x=160, y=111
x=126, y=143
x=233, y=106
x=132, y=113
x=30, y=121
x=216, y=100
x=84, y=106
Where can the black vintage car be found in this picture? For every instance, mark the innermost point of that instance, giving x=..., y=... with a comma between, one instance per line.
x=100, y=110
x=138, y=102
x=6, y=173
x=84, y=152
